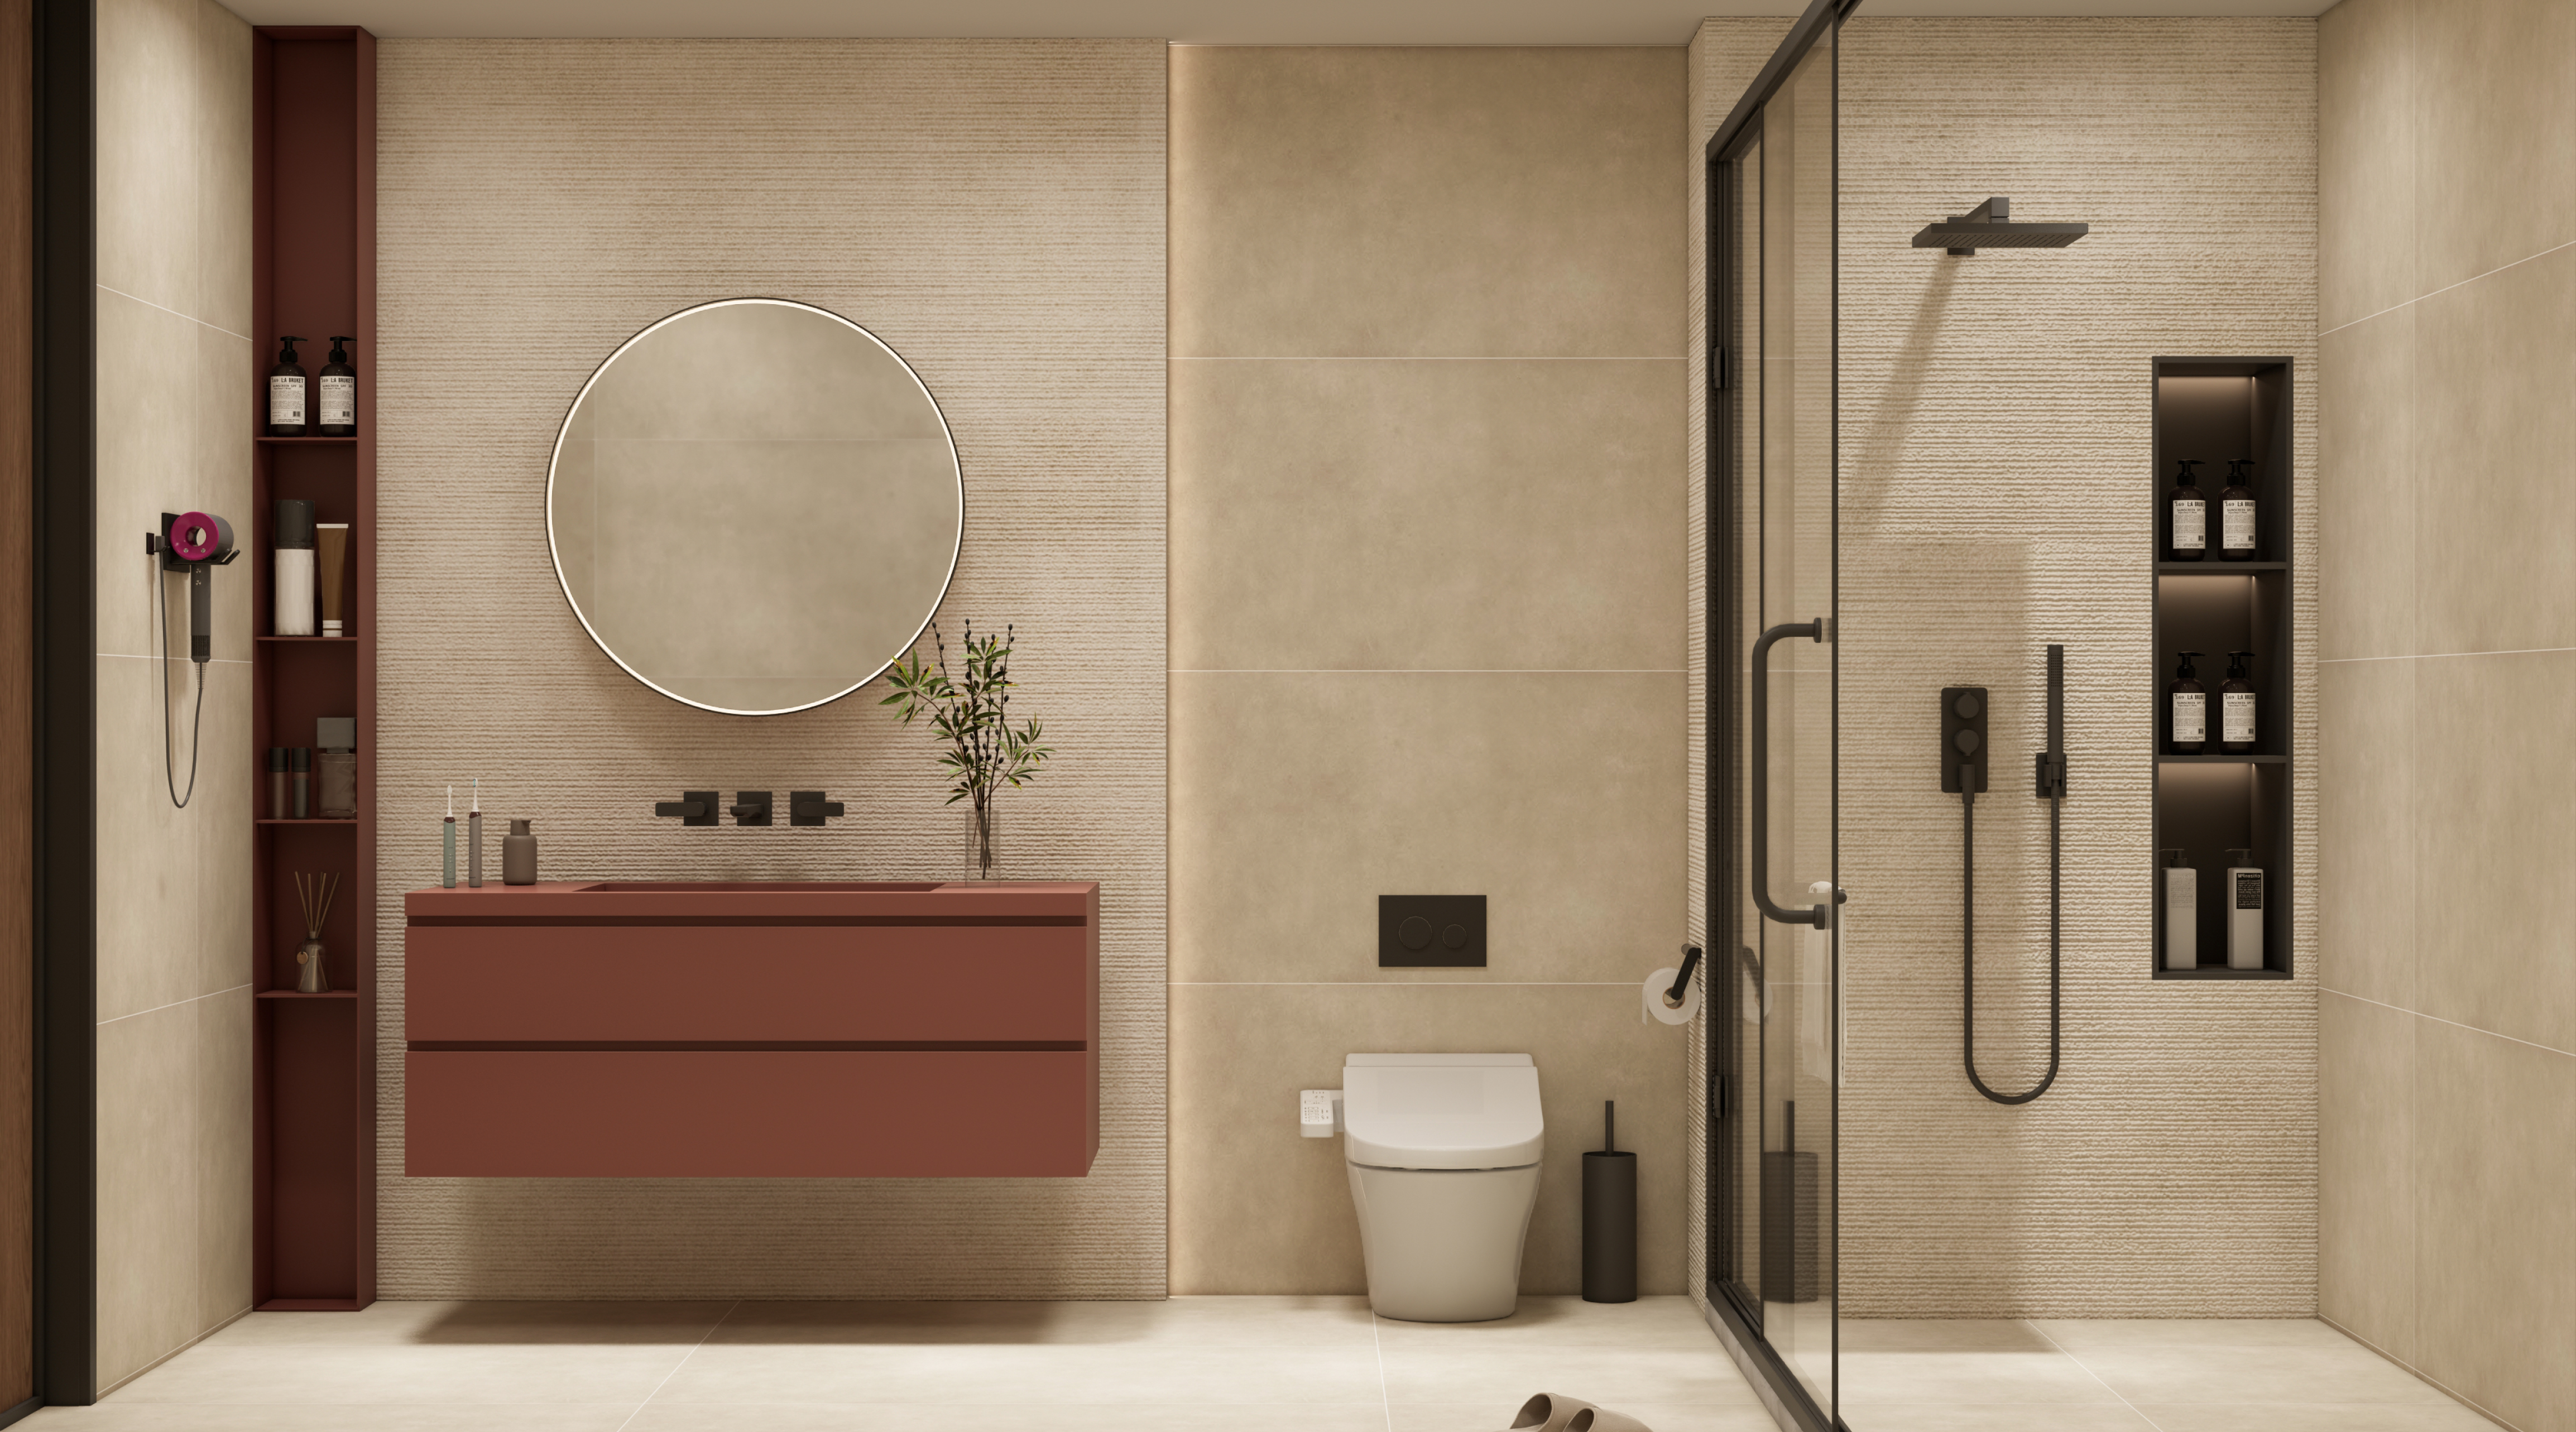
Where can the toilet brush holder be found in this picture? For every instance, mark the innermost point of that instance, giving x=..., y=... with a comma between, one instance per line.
x=1609, y=1218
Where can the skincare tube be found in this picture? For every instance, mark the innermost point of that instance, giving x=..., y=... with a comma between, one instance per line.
x=291, y=597
x=331, y=572
x=277, y=783
x=299, y=764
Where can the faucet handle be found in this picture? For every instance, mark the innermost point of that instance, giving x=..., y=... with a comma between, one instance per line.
x=809, y=808
x=751, y=808
x=693, y=808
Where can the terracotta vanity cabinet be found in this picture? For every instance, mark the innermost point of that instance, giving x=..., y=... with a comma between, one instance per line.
x=678, y=1030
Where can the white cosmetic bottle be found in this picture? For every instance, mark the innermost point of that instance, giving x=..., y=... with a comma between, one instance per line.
x=2246, y=896
x=290, y=607
x=2182, y=913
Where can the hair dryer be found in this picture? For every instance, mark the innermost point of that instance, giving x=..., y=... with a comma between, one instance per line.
x=195, y=543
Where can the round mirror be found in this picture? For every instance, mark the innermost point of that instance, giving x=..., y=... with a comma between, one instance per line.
x=754, y=506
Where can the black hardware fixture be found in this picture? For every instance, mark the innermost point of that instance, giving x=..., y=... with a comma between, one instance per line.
x=1681, y=977
x=1990, y=226
x=1759, y=764
x=693, y=808
x=1431, y=931
x=809, y=808
x=1963, y=771
x=750, y=807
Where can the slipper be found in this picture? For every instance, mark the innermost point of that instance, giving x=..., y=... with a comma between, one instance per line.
x=1548, y=1412
x=1601, y=1419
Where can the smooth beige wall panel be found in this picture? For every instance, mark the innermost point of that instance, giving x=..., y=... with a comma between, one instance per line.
x=994, y=212
x=2448, y=859
x=1427, y=636
x=174, y=381
x=1996, y=497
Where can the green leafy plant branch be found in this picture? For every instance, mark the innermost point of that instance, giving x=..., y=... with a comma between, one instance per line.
x=972, y=713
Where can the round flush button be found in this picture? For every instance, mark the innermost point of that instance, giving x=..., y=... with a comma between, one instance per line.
x=1455, y=937
x=1414, y=933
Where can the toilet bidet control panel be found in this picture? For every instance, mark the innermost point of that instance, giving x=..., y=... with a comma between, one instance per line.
x=1319, y=1112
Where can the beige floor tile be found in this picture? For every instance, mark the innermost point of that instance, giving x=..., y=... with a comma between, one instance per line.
x=1040, y=1414
x=1493, y=1414
x=2446, y=1416
x=120, y=1414
x=2079, y=1337
x=1907, y=1379
x=1941, y=1335
x=1607, y=1376
x=999, y=1375
x=1990, y=1417
x=1249, y=1322
x=396, y=1324
x=2201, y=1373
x=235, y=1376
x=1442, y=516
x=1670, y=1321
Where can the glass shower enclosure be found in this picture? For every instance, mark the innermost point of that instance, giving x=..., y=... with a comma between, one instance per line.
x=1774, y=903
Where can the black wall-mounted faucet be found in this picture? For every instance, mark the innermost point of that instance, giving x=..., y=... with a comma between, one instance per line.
x=693, y=808
x=809, y=808
x=751, y=808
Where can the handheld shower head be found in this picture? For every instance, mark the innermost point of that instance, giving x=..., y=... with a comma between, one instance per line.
x=1990, y=226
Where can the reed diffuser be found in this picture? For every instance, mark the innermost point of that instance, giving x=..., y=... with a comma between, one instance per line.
x=314, y=892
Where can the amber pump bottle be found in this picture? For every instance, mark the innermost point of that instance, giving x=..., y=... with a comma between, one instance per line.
x=2186, y=516
x=2236, y=706
x=337, y=393
x=287, y=393
x=2186, y=711
x=2236, y=513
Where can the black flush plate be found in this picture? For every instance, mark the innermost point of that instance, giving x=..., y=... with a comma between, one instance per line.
x=1963, y=735
x=1441, y=931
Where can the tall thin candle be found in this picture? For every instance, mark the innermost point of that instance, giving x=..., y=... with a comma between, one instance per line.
x=447, y=871
x=474, y=839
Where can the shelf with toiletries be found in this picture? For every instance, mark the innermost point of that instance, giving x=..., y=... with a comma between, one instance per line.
x=2221, y=742
x=312, y=420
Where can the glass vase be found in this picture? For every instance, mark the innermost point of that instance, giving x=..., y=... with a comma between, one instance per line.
x=983, y=840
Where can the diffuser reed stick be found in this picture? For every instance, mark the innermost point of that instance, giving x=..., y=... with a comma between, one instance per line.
x=314, y=891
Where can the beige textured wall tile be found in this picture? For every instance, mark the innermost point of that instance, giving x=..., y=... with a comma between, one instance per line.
x=2365, y=160
x=2495, y=135
x=2366, y=1171
x=150, y=119
x=1991, y=504
x=2368, y=488
x=1256, y=1208
x=2495, y=1231
x=2495, y=506
x=1298, y=798
x=223, y=162
x=1448, y=515
x=2495, y=844
x=1428, y=202
x=2368, y=748
x=221, y=1092
x=994, y=212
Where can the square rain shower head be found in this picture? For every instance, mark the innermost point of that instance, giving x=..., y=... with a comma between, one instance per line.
x=1990, y=226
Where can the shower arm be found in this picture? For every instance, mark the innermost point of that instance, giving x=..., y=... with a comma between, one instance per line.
x=1820, y=916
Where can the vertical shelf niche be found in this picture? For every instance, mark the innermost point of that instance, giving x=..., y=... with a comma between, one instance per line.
x=314, y=1055
x=2216, y=409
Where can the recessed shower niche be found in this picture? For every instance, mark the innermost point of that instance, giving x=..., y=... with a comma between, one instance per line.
x=2219, y=411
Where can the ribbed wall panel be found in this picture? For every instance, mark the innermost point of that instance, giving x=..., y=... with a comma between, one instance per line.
x=992, y=210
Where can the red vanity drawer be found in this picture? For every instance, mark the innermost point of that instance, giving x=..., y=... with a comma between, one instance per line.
x=766, y=1113
x=919, y=984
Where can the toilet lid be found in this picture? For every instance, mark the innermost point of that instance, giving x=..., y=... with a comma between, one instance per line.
x=1441, y=1111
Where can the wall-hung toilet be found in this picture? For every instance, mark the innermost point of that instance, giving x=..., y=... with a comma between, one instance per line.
x=1444, y=1153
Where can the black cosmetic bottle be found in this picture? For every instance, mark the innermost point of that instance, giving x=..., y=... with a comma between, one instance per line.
x=2236, y=726
x=337, y=393
x=287, y=393
x=2186, y=711
x=2236, y=513
x=2186, y=516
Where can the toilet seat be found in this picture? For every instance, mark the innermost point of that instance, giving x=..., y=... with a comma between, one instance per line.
x=1443, y=1154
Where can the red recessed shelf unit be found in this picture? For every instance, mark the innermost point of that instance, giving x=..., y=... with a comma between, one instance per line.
x=313, y=262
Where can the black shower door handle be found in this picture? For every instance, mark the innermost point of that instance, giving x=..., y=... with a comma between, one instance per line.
x=1820, y=916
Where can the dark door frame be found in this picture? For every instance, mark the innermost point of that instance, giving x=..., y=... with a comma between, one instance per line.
x=65, y=502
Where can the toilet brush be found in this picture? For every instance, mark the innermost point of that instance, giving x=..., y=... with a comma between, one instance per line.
x=1609, y=1217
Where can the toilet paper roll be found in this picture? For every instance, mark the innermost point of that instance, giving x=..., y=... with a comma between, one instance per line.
x=1662, y=980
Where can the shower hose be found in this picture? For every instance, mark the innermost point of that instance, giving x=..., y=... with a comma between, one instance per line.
x=1968, y=943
